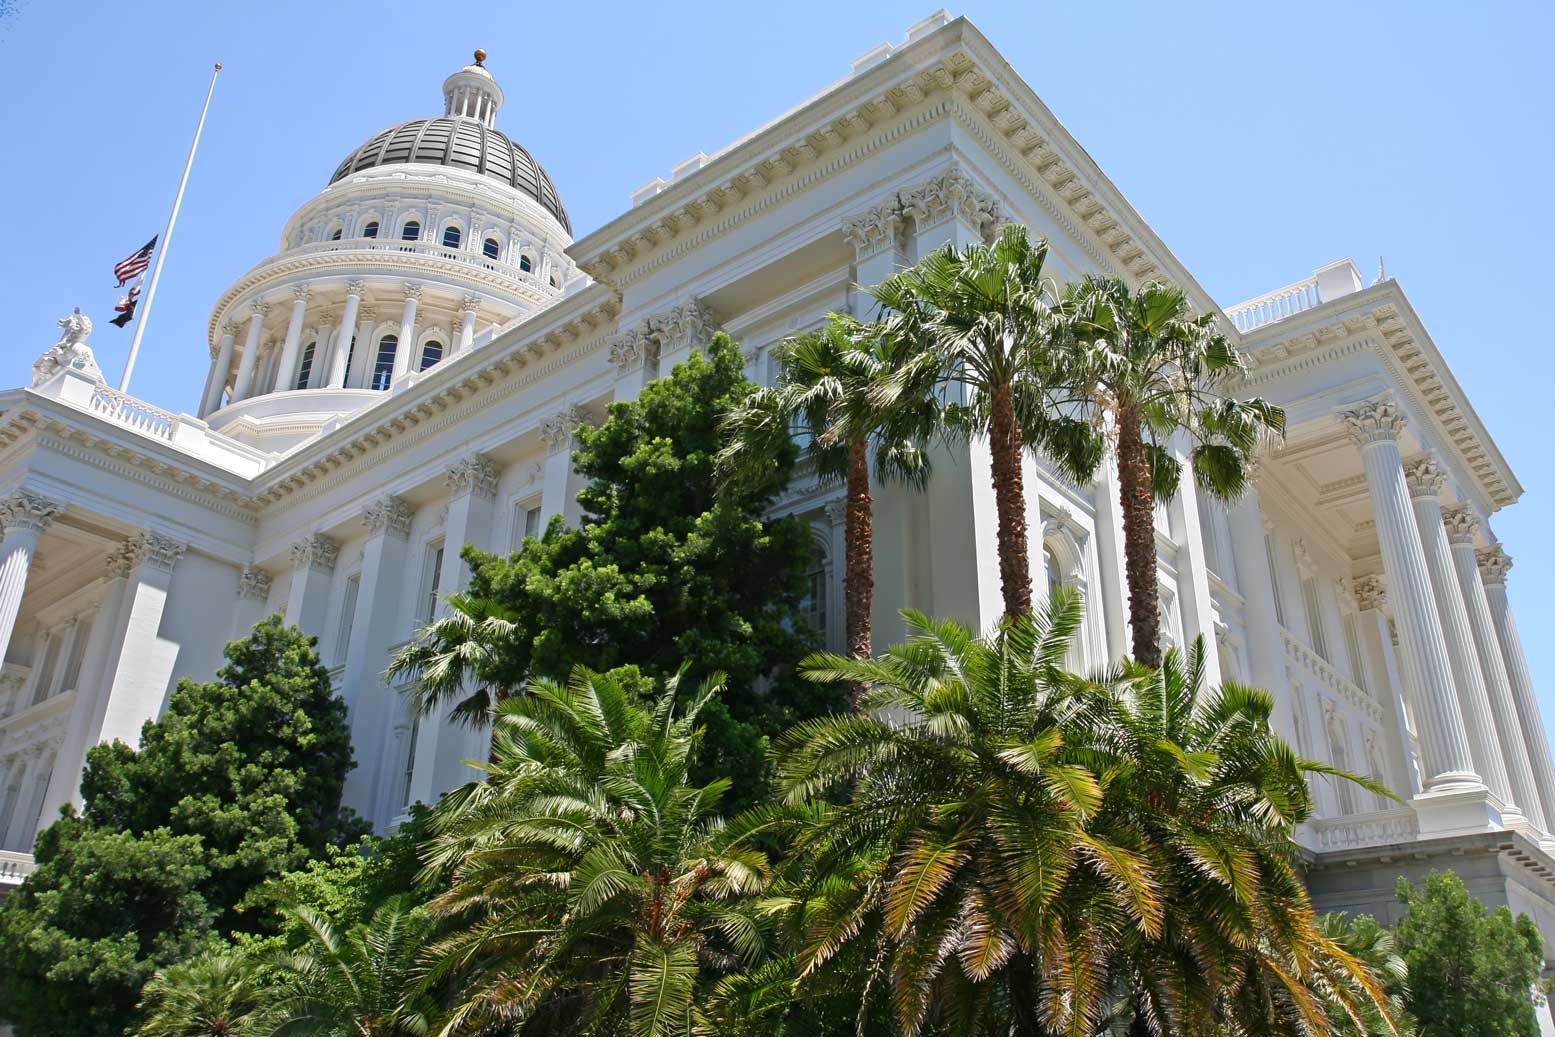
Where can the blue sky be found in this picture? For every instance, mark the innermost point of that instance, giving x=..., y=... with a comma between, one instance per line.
x=1260, y=140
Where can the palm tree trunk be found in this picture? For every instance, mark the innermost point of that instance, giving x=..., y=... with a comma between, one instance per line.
x=858, y=580
x=1139, y=555
x=1004, y=447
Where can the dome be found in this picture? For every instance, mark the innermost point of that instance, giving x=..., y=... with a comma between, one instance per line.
x=462, y=143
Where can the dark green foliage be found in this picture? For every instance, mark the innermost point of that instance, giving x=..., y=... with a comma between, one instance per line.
x=663, y=567
x=239, y=781
x=103, y=910
x=1470, y=971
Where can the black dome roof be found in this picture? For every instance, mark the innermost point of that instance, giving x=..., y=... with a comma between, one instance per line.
x=464, y=144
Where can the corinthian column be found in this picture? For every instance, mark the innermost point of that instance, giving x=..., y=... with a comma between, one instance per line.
x=24, y=516
x=469, y=308
x=256, y=320
x=407, y=333
x=1425, y=478
x=223, y=361
x=1494, y=564
x=342, y=354
x=1461, y=526
x=1448, y=764
x=287, y=368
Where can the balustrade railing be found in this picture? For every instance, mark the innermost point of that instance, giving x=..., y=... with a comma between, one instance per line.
x=130, y=412
x=420, y=248
x=1275, y=305
x=14, y=867
x=1378, y=828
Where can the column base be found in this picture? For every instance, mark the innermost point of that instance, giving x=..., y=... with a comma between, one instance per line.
x=1457, y=811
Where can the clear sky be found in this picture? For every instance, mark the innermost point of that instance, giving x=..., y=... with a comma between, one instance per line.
x=1261, y=140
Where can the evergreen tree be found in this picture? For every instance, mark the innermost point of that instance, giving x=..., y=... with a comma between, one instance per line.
x=238, y=781
x=1471, y=972
x=666, y=565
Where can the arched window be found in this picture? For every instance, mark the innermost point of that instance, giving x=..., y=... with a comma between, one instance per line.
x=452, y=236
x=431, y=353
x=411, y=231
x=334, y=235
x=1055, y=574
x=305, y=369
x=383, y=366
x=526, y=264
x=371, y=230
x=814, y=603
x=491, y=248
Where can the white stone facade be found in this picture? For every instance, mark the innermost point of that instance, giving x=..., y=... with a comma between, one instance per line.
x=1360, y=582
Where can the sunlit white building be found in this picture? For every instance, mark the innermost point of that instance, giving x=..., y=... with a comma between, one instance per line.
x=403, y=376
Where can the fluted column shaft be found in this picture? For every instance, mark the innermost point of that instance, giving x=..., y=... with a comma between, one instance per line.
x=245, y=380
x=320, y=369
x=1425, y=478
x=342, y=353
x=407, y=342
x=218, y=380
x=1447, y=760
x=1461, y=526
x=1494, y=564
x=23, y=517
x=467, y=329
x=286, y=370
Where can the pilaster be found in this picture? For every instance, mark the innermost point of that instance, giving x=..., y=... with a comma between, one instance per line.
x=559, y=483
x=313, y=567
x=141, y=662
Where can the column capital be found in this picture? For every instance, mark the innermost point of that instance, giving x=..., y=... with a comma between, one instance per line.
x=470, y=304
x=837, y=511
x=476, y=475
x=556, y=431
x=1494, y=564
x=412, y=289
x=1425, y=476
x=874, y=230
x=1462, y=524
x=231, y=327
x=388, y=514
x=25, y=510
x=951, y=194
x=316, y=553
x=1374, y=421
x=356, y=289
x=257, y=309
x=158, y=550
x=634, y=347
x=254, y=583
x=301, y=293
x=1371, y=592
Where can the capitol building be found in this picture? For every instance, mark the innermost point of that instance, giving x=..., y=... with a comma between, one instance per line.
x=405, y=373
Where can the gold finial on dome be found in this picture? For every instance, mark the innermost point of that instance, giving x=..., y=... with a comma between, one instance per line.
x=480, y=56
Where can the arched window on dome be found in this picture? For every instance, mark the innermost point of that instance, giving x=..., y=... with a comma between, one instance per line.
x=383, y=365
x=452, y=236
x=411, y=231
x=305, y=369
x=371, y=230
x=334, y=235
x=491, y=248
x=431, y=353
x=526, y=264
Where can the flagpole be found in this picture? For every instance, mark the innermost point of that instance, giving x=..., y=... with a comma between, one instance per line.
x=166, y=239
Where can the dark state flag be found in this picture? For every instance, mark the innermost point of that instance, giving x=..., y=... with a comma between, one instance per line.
x=125, y=308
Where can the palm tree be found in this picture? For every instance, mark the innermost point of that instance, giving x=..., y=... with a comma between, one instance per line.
x=1143, y=365
x=592, y=888
x=1373, y=944
x=962, y=862
x=986, y=309
x=828, y=392
x=216, y=994
x=362, y=983
x=1204, y=790
x=461, y=657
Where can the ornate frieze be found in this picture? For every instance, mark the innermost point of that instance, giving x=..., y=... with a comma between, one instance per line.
x=1461, y=522
x=25, y=510
x=1494, y=564
x=316, y=553
x=1425, y=476
x=1374, y=421
x=951, y=195
x=474, y=474
x=389, y=515
x=556, y=431
x=874, y=230
x=1371, y=592
x=254, y=583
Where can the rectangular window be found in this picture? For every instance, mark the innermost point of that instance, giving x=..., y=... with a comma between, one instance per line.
x=432, y=582
x=305, y=371
x=526, y=522
x=77, y=655
x=1274, y=580
x=410, y=757
x=1352, y=645
x=347, y=617
x=1314, y=617
x=383, y=365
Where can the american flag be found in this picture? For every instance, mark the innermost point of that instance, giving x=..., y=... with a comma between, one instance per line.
x=134, y=266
